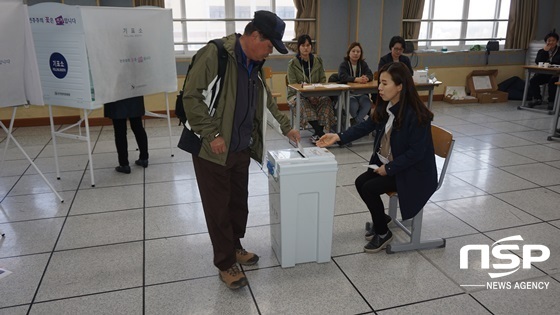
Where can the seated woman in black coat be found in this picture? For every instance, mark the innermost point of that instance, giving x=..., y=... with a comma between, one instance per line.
x=549, y=53
x=403, y=152
x=354, y=69
x=396, y=46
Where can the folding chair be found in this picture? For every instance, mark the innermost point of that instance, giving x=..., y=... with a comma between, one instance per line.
x=443, y=146
x=268, y=76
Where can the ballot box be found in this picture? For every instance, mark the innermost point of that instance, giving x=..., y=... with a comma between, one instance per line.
x=302, y=188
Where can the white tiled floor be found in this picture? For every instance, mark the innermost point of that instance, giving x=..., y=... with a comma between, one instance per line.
x=138, y=243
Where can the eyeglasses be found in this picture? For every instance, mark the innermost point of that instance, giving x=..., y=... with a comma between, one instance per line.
x=398, y=49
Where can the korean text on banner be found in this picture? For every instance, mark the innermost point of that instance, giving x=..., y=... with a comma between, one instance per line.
x=61, y=54
x=130, y=51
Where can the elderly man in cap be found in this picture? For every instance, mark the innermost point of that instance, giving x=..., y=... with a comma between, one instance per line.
x=233, y=135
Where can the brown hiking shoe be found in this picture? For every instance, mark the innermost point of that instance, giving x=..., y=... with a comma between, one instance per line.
x=233, y=277
x=246, y=258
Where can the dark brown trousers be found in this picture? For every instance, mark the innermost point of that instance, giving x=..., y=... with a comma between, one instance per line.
x=224, y=192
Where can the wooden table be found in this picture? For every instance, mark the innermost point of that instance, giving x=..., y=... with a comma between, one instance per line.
x=371, y=87
x=316, y=90
x=536, y=69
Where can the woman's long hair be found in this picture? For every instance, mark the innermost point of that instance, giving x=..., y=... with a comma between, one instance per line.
x=408, y=97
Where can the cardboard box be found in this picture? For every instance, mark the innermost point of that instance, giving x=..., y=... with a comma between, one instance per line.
x=457, y=95
x=460, y=101
x=482, y=85
x=420, y=76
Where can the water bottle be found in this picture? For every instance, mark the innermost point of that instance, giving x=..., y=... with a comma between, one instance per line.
x=427, y=75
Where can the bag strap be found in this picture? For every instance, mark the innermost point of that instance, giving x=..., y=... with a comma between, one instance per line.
x=222, y=61
x=222, y=65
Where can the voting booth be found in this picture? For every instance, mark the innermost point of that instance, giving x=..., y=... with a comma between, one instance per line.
x=89, y=56
x=19, y=73
x=302, y=188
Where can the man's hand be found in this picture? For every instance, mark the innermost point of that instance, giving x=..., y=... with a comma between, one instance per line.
x=294, y=135
x=218, y=145
x=327, y=139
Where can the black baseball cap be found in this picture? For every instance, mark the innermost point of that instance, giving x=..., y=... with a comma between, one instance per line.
x=272, y=27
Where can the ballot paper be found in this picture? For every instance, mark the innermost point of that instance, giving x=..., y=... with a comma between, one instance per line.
x=299, y=147
x=372, y=166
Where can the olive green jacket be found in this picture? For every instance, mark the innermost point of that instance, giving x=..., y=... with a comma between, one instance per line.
x=199, y=79
x=295, y=73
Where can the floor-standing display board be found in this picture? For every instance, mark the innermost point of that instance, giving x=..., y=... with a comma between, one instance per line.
x=19, y=74
x=89, y=56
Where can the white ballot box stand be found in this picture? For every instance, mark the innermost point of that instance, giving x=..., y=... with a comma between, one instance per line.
x=302, y=188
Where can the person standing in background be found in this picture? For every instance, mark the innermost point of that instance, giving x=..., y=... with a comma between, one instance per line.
x=133, y=110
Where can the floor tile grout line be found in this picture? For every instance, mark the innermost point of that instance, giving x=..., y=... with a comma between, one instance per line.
x=251, y=292
x=353, y=285
x=84, y=295
x=26, y=169
x=55, y=243
x=480, y=303
x=144, y=242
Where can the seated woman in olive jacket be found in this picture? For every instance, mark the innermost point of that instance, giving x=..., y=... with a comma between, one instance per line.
x=403, y=152
x=308, y=68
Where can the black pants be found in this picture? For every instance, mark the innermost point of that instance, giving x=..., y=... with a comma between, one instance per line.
x=119, y=125
x=535, y=86
x=224, y=192
x=371, y=186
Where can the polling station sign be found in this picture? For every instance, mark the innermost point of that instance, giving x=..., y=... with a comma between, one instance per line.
x=60, y=45
x=89, y=56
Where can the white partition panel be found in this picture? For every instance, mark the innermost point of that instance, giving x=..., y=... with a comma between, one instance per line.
x=19, y=78
x=130, y=51
x=59, y=39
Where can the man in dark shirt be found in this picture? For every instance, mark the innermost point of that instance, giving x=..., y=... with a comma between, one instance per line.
x=232, y=135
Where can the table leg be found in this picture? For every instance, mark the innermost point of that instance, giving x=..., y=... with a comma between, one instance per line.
x=525, y=89
x=430, y=97
x=556, y=109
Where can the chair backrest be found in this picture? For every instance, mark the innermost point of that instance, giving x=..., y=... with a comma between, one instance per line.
x=443, y=146
x=334, y=78
x=442, y=141
x=268, y=76
x=267, y=72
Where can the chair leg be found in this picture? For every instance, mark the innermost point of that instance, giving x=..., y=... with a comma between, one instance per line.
x=393, y=203
x=415, y=237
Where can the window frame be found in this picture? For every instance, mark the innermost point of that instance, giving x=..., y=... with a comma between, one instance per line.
x=463, y=40
x=229, y=20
